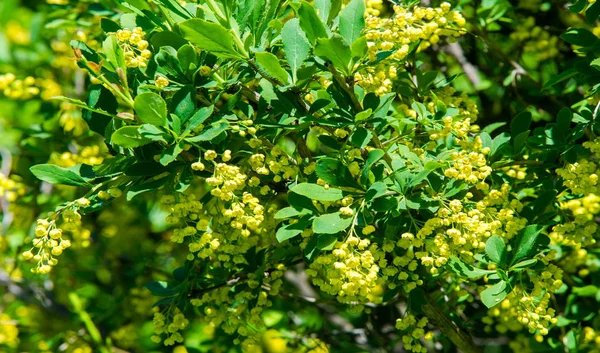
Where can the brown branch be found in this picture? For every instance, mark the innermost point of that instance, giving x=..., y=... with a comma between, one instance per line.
x=462, y=340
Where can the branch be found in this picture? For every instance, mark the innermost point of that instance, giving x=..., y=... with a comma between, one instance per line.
x=462, y=340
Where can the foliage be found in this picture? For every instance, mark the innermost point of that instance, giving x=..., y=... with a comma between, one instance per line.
x=270, y=176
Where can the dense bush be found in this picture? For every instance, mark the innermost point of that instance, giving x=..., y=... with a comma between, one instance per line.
x=299, y=176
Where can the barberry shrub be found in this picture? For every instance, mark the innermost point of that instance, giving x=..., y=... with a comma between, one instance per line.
x=294, y=176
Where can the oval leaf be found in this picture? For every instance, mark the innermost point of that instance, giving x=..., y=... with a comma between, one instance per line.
x=151, y=109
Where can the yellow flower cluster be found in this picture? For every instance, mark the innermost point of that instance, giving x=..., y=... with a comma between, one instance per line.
x=467, y=108
x=161, y=82
x=169, y=325
x=581, y=230
x=461, y=228
x=92, y=155
x=28, y=88
x=536, y=40
x=590, y=340
x=469, y=166
x=352, y=271
x=49, y=243
x=9, y=332
x=11, y=189
x=71, y=120
x=135, y=47
x=521, y=310
x=15, y=33
x=243, y=318
x=414, y=331
x=392, y=37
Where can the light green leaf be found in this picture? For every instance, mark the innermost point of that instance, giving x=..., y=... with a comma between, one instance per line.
x=215, y=130
x=198, y=118
x=114, y=54
x=295, y=45
x=151, y=109
x=523, y=264
x=376, y=190
x=352, y=20
x=211, y=37
x=336, y=50
x=289, y=212
x=54, y=174
x=270, y=63
x=129, y=137
x=317, y=192
x=494, y=294
x=331, y=223
x=495, y=249
x=310, y=22
x=465, y=270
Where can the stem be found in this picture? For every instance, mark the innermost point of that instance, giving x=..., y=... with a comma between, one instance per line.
x=462, y=340
x=87, y=321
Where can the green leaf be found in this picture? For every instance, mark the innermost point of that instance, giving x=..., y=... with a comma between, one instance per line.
x=331, y=223
x=289, y=212
x=494, y=294
x=376, y=190
x=335, y=173
x=465, y=270
x=215, y=130
x=270, y=63
x=187, y=57
x=595, y=63
x=295, y=45
x=586, y=291
x=317, y=192
x=372, y=158
x=54, y=174
x=523, y=264
x=310, y=22
x=352, y=20
x=592, y=12
x=198, y=118
x=495, y=249
x=565, y=75
x=160, y=289
x=525, y=242
x=211, y=37
x=361, y=137
x=168, y=61
x=114, y=54
x=129, y=137
x=151, y=109
x=580, y=37
x=170, y=153
x=289, y=231
x=336, y=50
